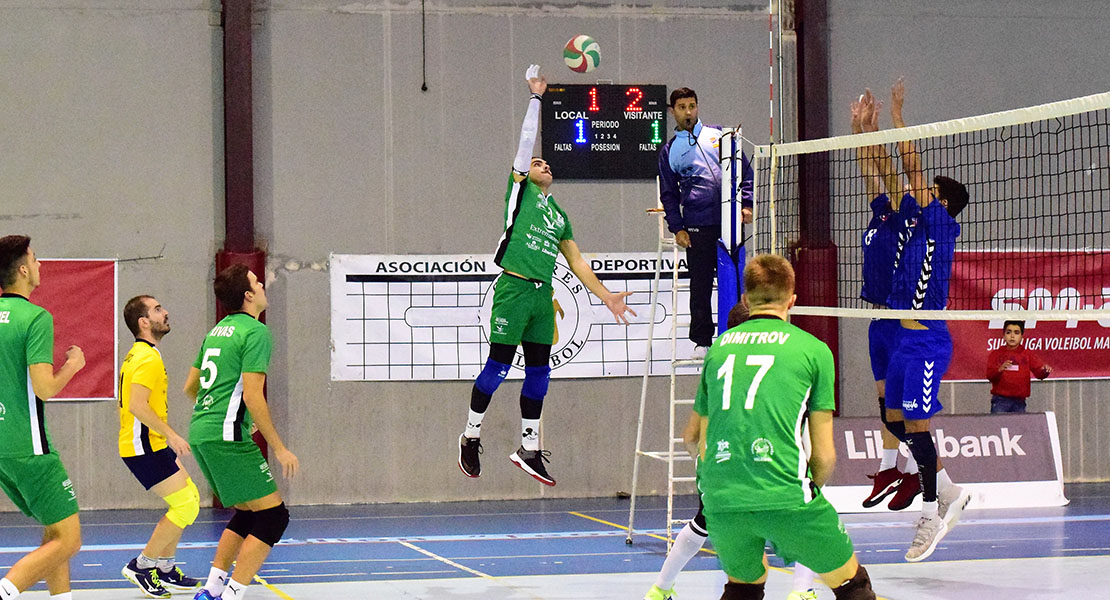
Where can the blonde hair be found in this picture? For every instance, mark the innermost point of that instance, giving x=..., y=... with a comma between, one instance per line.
x=768, y=280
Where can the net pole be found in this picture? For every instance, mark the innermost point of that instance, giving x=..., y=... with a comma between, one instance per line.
x=771, y=68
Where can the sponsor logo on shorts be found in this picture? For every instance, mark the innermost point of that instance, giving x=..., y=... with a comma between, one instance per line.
x=67, y=485
x=264, y=467
x=723, y=452
x=762, y=450
x=3, y=411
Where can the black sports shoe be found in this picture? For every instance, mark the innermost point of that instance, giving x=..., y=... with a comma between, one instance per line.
x=532, y=463
x=469, y=449
x=146, y=579
x=174, y=578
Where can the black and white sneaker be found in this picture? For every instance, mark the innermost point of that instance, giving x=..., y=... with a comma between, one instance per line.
x=146, y=579
x=469, y=449
x=532, y=463
x=178, y=580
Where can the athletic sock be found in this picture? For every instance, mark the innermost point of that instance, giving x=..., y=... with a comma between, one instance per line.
x=144, y=562
x=166, y=563
x=890, y=459
x=474, y=424
x=8, y=590
x=530, y=434
x=943, y=480
x=803, y=578
x=929, y=509
x=911, y=465
x=234, y=591
x=686, y=545
x=217, y=580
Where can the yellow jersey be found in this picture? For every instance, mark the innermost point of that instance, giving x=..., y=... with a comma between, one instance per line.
x=142, y=366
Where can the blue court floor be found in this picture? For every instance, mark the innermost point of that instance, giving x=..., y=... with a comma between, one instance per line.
x=551, y=549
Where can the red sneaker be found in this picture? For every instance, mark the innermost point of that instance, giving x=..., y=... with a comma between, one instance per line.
x=886, y=482
x=907, y=491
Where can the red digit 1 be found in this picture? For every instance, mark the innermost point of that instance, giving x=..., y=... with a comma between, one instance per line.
x=633, y=105
x=593, y=100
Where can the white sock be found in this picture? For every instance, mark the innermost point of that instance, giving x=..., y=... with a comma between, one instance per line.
x=62, y=596
x=803, y=578
x=234, y=591
x=166, y=563
x=890, y=459
x=530, y=434
x=911, y=465
x=8, y=590
x=217, y=580
x=474, y=424
x=943, y=480
x=686, y=545
x=144, y=562
x=929, y=509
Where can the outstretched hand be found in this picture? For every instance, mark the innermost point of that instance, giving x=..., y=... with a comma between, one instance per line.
x=615, y=304
x=869, y=115
x=857, y=115
x=536, y=83
x=897, y=99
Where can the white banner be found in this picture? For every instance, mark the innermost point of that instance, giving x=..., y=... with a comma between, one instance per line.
x=426, y=317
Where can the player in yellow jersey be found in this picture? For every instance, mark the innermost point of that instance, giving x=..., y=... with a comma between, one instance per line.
x=150, y=447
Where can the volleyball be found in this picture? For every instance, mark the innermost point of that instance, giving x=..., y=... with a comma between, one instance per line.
x=582, y=54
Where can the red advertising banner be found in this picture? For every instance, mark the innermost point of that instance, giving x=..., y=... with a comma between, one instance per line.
x=81, y=295
x=1031, y=281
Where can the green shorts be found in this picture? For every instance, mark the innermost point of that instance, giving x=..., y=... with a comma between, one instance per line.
x=812, y=535
x=522, y=312
x=237, y=471
x=39, y=486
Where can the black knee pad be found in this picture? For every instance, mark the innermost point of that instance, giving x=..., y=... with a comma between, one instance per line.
x=743, y=591
x=270, y=524
x=882, y=409
x=856, y=588
x=896, y=428
x=241, y=523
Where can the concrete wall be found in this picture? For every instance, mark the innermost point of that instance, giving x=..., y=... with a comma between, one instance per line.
x=112, y=141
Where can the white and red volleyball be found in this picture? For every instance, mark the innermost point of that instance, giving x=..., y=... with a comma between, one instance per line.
x=582, y=54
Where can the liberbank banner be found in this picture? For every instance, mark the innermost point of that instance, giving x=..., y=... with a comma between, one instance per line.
x=1006, y=281
x=1006, y=461
x=427, y=317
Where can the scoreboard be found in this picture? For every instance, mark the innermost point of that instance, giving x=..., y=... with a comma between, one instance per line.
x=604, y=131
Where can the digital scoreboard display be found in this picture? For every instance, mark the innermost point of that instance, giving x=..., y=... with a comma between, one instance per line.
x=604, y=131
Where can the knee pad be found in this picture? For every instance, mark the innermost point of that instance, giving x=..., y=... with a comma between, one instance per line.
x=896, y=428
x=922, y=447
x=882, y=409
x=536, y=380
x=270, y=524
x=744, y=591
x=184, y=505
x=491, y=376
x=856, y=588
x=241, y=523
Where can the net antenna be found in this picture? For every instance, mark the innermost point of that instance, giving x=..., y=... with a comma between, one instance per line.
x=1033, y=241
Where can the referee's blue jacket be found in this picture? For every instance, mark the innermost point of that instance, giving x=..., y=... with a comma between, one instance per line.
x=690, y=179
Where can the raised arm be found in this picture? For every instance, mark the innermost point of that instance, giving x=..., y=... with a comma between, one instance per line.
x=865, y=154
x=883, y=162
x=581, y=268
x=537, y=84
x=911, y=158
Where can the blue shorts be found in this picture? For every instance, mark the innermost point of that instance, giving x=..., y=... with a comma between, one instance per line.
x=881, y=337
x=154, y=468
x=916, y=368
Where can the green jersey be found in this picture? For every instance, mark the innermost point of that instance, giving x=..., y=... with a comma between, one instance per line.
x=237, y=344
x=534, y=226
x=26, y=338
x=759, y=380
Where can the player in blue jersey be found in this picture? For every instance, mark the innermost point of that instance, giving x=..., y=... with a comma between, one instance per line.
x=922, y=268
x=880, y=246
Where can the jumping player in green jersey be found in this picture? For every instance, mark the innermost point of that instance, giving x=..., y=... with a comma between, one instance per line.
x=227, y=382
x=537, y=230
x=762, y=382
x=31, y=473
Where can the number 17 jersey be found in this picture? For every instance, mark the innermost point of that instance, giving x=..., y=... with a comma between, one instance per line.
x=758, y=383
x=238, y=344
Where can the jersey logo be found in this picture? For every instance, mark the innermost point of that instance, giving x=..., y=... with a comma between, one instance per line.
x=870, y=236
x=723, y=453
x=5, y=315
x=762, y=450
x=3, y=411
x=926, y=273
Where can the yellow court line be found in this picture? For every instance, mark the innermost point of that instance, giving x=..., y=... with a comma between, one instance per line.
x=652, y=535
x=272, y=588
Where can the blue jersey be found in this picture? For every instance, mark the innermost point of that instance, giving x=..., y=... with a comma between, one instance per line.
x=880, y=249
x=923, y=263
